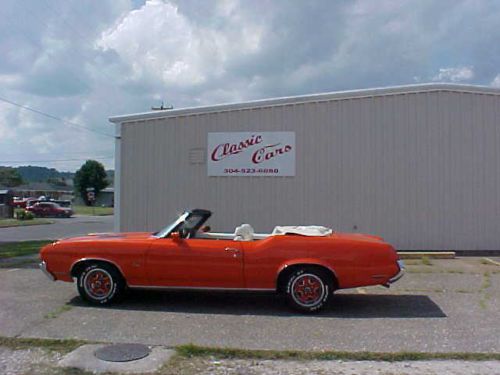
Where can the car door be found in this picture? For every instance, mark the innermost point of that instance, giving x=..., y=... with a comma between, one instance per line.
x=42, y=209
x=197, y=263
x=51, y=209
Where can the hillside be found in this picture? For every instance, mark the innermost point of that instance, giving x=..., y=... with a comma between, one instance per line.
x=32, y=173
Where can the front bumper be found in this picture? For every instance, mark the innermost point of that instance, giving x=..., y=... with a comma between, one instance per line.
x=400, y=274
x=43, y=268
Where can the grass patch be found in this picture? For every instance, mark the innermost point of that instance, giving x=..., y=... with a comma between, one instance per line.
x=63, y=346
x=413, y=269
x=489, y=262
x=426, y=261
x=420, y=270
x=195, y=351
x=93, y=211
x=483, y=302
x=191, y=350
x=23, y=263
x=54, y=314
x=466, y=291
x=421, y=290
x=486, y=281
x=16, y=249
x=5, y=223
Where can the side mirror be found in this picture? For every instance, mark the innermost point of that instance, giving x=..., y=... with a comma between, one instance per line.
x=175, y=236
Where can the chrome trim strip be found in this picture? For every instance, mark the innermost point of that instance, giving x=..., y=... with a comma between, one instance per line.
x=43, y=268
x=201, y=288
x=97, y=259
x=400, y=274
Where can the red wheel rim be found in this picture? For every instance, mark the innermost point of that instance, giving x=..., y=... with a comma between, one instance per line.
x=98, y=284
x=308, y=290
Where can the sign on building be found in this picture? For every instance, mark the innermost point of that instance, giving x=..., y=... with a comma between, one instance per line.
x=251, y=154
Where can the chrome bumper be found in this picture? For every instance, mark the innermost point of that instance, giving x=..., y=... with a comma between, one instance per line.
x=43, y=267
x=400, y=274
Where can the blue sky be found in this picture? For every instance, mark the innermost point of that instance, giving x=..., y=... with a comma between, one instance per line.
x=83, y=61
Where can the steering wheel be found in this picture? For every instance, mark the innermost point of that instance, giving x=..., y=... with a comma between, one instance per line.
x=184, y=233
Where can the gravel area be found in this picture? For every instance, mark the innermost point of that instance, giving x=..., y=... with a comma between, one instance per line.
x=27, y=361
x=252, y=367
x=39, y=361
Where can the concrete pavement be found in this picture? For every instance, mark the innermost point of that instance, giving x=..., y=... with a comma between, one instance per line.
x=451, y=306
x=74, y=226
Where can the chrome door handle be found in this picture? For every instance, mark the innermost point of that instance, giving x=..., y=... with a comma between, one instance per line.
x=232, y=250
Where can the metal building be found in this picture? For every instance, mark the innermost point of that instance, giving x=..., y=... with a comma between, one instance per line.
x=418, y=165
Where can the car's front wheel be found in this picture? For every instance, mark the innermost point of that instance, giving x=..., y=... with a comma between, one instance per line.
x=308, y=289
x=100, y=284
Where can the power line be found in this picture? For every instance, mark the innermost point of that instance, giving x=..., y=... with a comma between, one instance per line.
x=69, y=123
x=54, y=160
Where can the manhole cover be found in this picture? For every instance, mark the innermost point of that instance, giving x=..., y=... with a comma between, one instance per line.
x=122, y=352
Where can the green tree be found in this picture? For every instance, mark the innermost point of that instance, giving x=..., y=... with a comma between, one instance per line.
x=10, y=177
x=90, y=175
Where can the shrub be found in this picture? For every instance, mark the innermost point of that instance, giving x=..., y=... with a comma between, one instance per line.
x=24, y=215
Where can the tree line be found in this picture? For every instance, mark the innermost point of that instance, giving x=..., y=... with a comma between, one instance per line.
x=91, y=174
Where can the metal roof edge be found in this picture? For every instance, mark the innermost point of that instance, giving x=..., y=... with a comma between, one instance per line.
x=337, y=95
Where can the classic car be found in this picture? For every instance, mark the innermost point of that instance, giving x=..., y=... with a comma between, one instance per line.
x=306, y=264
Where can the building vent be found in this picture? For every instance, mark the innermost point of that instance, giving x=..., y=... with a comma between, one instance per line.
x=197, y=156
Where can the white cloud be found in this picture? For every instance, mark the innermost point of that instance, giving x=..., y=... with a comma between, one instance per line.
x=458, y=74
x=85, y=62
x=159, y=42
x=496, y=81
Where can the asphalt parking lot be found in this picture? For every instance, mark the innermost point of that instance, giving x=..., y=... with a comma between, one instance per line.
x=67, y=227
x=447, y=306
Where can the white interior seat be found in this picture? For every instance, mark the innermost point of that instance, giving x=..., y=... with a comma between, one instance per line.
x=243, y=233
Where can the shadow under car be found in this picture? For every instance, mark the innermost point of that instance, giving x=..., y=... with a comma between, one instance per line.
x=269, y=304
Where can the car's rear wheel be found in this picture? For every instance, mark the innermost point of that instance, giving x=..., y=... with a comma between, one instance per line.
x=100, y=284
x=308, y=289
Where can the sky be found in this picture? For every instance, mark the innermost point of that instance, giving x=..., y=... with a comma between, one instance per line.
x=80, y=62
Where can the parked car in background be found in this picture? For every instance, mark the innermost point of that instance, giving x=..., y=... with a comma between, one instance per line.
x=30, y=202
x=19, y=202
x=49, y=209
x=62, y=203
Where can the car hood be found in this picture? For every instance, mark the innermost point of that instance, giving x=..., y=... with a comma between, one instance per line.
x=110, y=236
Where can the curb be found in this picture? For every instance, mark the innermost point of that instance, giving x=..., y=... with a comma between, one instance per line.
x=458, y=253
x=427, y=254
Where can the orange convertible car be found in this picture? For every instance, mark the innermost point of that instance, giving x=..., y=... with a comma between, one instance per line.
x=305, y=263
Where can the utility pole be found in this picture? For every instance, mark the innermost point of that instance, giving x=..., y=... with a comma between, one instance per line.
x=162, y=108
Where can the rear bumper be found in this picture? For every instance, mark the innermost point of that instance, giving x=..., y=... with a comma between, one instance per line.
x=43, y=268
x=400, y=274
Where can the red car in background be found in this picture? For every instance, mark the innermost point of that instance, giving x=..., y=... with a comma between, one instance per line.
x=19, y=202
x=49, y=209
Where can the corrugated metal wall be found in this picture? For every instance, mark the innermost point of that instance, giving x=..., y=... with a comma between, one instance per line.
x=420, y=169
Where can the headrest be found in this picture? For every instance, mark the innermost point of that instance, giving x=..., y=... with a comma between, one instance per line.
x=245, y=231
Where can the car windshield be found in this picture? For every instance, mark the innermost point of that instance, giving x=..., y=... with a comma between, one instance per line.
x=162, y=233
